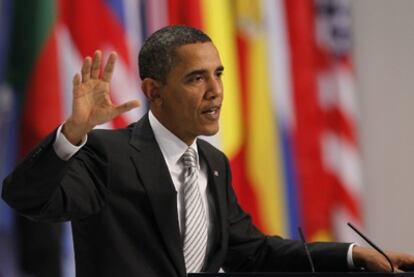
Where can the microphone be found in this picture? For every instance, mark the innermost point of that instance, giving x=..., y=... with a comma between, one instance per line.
x=305, y=245
x=372, y=244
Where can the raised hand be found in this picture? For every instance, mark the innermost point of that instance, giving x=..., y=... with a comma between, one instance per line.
x=92, y=104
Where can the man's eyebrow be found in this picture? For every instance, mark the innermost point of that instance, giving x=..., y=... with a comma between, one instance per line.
x=202, y=71
x=195, y=72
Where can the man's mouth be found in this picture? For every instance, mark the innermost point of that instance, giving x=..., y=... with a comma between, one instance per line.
x=211, y=110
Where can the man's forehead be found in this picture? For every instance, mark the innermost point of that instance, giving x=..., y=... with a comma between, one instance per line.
x=201, y=52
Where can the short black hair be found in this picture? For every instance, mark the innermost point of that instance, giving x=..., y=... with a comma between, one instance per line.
x=156, y=56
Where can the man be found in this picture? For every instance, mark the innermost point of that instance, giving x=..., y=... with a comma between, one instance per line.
x=152, y=199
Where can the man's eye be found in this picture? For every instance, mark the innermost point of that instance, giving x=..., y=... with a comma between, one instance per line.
x=197, y=78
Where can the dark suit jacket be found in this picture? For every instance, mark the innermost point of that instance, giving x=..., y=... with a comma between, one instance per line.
x=119, y=196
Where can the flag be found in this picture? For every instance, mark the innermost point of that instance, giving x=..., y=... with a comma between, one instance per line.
x=324, y=136
x=7, y=110
x=8, y=133
x=288, y=123
x=49, y=41
x=289, y=113
x=33, y=74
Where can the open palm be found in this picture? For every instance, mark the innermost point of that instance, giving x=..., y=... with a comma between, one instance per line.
x=92, y=104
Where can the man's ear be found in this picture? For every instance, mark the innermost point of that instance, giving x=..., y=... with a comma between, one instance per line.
x=151, y=89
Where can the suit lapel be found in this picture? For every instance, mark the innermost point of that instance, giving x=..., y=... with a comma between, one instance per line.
x=156, y=179
x=216, y=181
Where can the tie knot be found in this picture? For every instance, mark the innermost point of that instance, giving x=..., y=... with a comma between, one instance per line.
x=190, y=158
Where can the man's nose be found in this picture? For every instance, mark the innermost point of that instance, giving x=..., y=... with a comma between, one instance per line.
x=215, y=88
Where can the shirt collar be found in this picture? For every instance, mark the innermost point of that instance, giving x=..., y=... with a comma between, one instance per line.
x=171, y=146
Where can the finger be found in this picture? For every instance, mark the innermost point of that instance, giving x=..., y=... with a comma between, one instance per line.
x=76, y=84
x=96, y=64
x=409, y=260
x=86, y=69
x=109, y=67
x=406, y=262
x=120, y=109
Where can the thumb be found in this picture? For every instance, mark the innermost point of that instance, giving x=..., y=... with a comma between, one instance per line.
x=127, y=106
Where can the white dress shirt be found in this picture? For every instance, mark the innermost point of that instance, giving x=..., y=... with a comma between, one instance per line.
x=172, y=148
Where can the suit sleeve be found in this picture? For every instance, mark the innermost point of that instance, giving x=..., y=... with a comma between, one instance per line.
x=250, y=250
x=46, y=188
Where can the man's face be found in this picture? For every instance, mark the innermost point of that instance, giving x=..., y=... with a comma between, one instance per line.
x=190, y=99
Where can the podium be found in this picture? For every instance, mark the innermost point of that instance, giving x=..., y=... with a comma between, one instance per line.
x=304, y=274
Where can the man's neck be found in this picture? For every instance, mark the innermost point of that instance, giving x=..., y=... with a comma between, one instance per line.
x=164, y=123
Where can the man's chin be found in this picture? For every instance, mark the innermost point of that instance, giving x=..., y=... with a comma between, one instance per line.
x=208, y=132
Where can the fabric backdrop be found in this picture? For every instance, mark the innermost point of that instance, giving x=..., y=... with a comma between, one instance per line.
x=289, y=118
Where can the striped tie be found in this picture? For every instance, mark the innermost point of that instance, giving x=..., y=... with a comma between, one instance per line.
x=195, y=233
